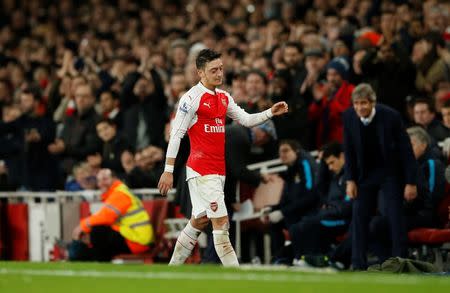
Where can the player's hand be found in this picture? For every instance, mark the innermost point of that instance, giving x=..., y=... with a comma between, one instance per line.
x=279, y=108
x=165, y=183
x=410, y=192
x=352, y=189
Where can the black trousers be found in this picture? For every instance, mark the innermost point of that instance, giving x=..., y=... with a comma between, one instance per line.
x=364, y=207
x=314, y=235
x=277, y=238
x=105, y=244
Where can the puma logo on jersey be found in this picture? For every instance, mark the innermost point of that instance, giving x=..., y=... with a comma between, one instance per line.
x=207, y=105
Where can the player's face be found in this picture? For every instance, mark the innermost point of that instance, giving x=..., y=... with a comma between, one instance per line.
x=212, y=74
x=363, y=107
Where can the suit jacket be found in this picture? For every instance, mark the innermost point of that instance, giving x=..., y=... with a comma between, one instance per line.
x=396, y=149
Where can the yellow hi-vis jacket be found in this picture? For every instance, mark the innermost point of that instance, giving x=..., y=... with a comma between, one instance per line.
x=124, y=212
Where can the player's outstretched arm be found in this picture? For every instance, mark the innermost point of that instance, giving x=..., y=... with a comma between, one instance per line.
x=250, y=120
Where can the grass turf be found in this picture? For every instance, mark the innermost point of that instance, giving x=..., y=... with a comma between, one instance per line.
x=18, y=277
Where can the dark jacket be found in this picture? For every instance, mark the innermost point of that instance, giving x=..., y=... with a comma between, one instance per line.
x=430, y=189
x=139, y=178
x=438, y=131
x=112, y=151
x=38, y=169
x=80, y=135
x=299, y=197
x=11, y=151
x=392, y=80
x=396, y=151
x=155, y=115
x=127, y=97
x=337, y=204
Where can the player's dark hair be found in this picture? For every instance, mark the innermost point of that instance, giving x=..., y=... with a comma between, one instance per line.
x=205, y=56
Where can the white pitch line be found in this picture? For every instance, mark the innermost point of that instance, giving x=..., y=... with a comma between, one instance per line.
x=238, y=276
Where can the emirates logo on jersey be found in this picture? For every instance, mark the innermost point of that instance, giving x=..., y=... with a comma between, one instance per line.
x=214, y=128
x=214, y=206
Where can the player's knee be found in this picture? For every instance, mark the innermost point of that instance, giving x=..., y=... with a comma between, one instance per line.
x=200, y=223
x=221, y=224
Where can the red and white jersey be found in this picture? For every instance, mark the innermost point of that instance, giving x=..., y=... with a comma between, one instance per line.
x=202, y=112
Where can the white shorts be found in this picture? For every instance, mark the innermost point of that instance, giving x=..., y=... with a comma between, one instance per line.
x=207, y=196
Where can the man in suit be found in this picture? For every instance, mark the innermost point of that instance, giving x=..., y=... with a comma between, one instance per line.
x=378, y=160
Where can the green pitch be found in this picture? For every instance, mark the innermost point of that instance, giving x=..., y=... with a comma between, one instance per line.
x=109, y=278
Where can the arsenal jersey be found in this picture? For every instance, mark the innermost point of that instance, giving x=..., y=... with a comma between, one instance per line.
x=202, y=112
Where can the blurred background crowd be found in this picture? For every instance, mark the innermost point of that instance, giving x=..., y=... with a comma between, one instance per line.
x=92, y=84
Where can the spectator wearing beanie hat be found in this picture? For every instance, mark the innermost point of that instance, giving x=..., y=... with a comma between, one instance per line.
x=330, y=101
x=340, y=64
